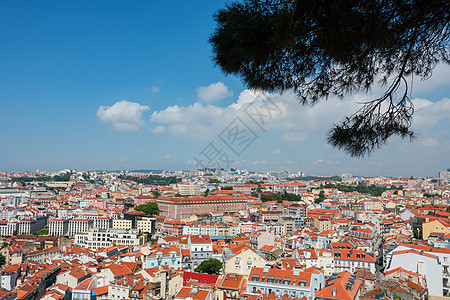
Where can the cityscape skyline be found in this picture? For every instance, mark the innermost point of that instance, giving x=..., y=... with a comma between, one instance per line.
x=109, y=86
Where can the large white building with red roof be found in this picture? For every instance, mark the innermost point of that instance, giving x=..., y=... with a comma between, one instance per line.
x=293, y=283
x=201, y=249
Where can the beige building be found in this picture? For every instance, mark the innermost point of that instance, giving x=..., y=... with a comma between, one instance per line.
x=122, y=224
x=144, y=225
x=189, y=189
x=242, y=262
x=322, y=224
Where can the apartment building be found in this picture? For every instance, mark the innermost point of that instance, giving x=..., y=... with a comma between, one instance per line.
x=201, y=249
x=290, y=188
x=241, y=259
x=189, y=189
x=78, y=225
x=122, y=224
x=58, y=227
x=100, y=238
x=8, y=228
x=294, y=283
x=170, y=257
x=31, y=226
x=102, y=222
x=176, y=208
x=352, y=259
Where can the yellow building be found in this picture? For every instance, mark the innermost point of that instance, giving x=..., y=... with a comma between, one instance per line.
x=434, y=226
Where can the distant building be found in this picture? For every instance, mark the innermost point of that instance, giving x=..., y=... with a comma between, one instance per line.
x=445, y=175
x=176, y=208
x=189, y=189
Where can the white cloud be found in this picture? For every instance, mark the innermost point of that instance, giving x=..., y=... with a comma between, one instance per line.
x=260, y=162
x=440, y=77
x=319, y=161
x=293, y=137
x=167, y=156
x=124, y=115
x=430, y=142
x=213, y=92
x=158, y=129
x=296, y=122
x=276, y=152
x=155, y=89
x=428, y=113
x=305, y=128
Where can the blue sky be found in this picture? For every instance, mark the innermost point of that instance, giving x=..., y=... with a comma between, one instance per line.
x=130, y=85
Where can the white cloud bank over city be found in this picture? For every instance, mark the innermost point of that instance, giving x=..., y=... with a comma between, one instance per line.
x=295, y=131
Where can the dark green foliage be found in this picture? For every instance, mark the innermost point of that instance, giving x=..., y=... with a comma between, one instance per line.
x=2, y=260
x=230, y=188
x=214, y=180
x=156, y=194
x=270, y=197
x=321, y=197
x=254, y=182
x=150, y=209
x=320, y=49
x=279, y=197
x=427, y=195
x=152, y=179
x=210, y=266
x=372, y=190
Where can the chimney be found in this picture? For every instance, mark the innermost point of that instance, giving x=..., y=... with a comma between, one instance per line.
x=334, y=291
x=266, y=269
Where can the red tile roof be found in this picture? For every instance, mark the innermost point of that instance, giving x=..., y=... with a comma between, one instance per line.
x=343, y=287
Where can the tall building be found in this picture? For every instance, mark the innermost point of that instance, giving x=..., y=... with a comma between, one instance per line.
x=445, y=175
